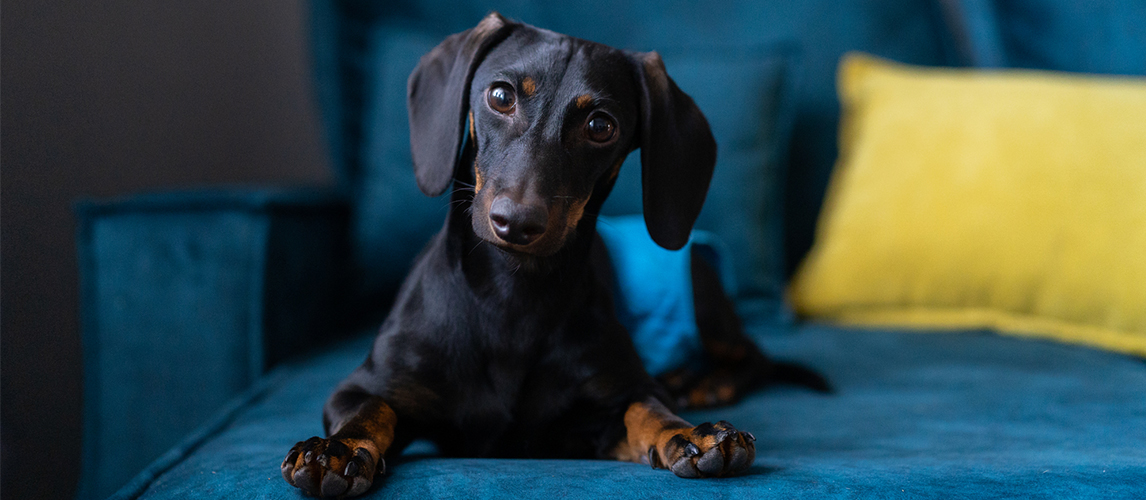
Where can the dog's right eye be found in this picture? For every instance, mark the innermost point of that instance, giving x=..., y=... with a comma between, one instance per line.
x=501, y=98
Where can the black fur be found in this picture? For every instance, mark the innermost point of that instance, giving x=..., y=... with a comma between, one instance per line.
x=496, y=348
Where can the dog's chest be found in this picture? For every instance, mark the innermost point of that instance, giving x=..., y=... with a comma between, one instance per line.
x=509, y=399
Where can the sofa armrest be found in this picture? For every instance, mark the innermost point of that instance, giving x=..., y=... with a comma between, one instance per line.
x=187, y=297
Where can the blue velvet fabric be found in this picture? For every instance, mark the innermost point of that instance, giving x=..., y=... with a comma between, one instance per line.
x=1106, y=37
x=925, y=415
x=653, y=289
x=188, y=298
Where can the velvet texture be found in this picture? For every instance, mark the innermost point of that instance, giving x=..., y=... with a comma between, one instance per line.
x=969, y=415
x=188, y=298
x=1086, y=37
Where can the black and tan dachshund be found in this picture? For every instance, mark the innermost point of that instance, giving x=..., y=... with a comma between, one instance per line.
x=503, y=340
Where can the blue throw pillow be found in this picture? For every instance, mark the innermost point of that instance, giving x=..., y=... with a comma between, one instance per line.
x=653, y=290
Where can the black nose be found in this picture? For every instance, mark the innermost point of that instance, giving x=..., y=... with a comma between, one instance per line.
x=517, y=223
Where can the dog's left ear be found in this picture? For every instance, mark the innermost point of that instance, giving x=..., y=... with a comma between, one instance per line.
x=437, y=98
x=678, y=154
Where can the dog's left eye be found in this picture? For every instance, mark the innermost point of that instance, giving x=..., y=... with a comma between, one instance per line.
x=501, y=98
x=600, y=128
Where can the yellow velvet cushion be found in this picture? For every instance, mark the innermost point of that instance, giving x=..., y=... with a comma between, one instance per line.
x=1012, y=200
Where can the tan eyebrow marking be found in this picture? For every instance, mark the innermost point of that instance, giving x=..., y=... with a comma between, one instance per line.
x=529, y=86
x=584, y=100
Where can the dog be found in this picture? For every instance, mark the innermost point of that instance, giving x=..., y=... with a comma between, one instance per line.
x=503, y=340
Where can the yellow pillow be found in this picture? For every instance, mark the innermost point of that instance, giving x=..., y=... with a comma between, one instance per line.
x=1012, y=200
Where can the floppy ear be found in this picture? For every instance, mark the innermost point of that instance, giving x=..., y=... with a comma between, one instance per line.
x=437, y=97
x=678, y=154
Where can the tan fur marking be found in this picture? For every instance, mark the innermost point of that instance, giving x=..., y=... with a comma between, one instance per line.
x=648, y=423
x=473, y=134
x=477, y=179
x=616, y=170
x=576, y=211
x=583, y=101
x=528, y=86
x=371, y=428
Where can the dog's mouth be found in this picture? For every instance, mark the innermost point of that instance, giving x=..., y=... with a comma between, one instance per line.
x=524, y=232
x=531, y=250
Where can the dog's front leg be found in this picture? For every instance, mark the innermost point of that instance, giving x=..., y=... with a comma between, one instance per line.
x=656, y=436
x=344, y=464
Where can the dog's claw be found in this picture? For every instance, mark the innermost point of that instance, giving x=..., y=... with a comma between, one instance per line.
x=709, y=450
x=691, y=450
x=654, y=458
x=329, y=468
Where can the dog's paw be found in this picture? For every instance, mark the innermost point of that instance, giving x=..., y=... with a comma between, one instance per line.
x=720, y=387
x=707, y=450
x=330, y=468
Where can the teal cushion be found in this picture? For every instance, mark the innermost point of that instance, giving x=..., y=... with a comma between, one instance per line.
x=392, y=219
x=1061, y=35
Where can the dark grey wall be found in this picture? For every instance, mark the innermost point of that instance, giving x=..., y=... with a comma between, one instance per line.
x=112, y=97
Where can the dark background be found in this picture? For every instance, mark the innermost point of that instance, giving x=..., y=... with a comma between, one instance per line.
x=108, y=98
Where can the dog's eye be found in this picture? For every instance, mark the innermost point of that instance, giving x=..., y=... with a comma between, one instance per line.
x=600, y=128
x=501, y=98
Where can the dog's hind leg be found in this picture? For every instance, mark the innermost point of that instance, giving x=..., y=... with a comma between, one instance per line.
x=657, y=437
x=361, y=429
x=735, y=365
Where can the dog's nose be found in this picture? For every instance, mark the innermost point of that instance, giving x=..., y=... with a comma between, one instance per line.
x=517, y=223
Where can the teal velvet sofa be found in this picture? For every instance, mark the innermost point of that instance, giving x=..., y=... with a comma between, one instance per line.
x=216, y=322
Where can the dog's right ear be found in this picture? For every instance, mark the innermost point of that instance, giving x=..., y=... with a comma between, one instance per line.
x=437, y=97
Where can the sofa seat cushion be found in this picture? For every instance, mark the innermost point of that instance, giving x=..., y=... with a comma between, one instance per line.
x=939, y=415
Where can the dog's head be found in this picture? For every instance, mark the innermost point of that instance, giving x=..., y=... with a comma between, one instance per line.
x=550, y=119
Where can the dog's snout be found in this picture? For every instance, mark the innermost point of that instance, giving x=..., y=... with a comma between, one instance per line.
x=517, y=223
